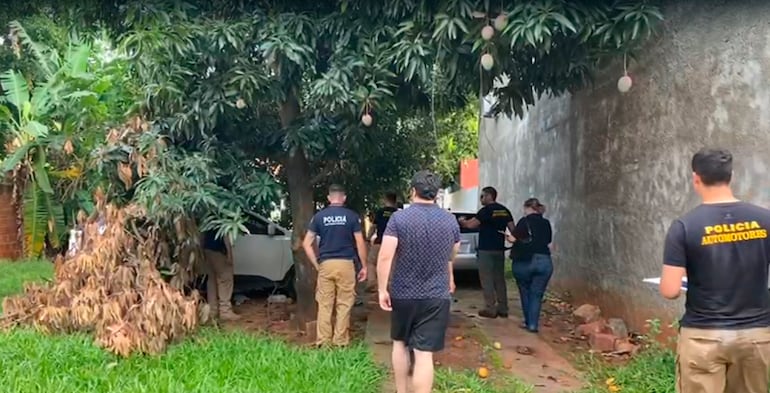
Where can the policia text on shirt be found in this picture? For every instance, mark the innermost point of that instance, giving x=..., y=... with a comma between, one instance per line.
x=731, y=233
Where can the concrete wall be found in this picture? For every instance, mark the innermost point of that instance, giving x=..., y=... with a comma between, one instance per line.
x=613, y=169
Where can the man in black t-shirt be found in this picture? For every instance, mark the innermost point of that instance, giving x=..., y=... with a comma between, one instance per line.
x=492, y=220
x=722, y=248
x=381, y=217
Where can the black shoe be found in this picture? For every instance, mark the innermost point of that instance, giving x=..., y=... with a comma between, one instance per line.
x=487, y=314
x=502, y=314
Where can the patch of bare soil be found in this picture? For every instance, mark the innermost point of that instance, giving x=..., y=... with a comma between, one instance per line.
x=255, y=318
x=462, y=349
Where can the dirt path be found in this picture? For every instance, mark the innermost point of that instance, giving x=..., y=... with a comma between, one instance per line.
x=470, y=344
x=529, y=357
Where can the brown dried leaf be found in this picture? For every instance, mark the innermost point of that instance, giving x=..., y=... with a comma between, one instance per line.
x=69, y=148
x=113, y=289
x=126, y=174
x=113, y=136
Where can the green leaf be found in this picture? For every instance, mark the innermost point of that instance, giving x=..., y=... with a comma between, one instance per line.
x=5, y=114
x=15, y=88
x=35, y=129
x=80, y=94
x=636, y=30
x=35, y=220
x=56, y=225
x=564, y=21
x=78, y=59
x=41, y=173
x=10, y=162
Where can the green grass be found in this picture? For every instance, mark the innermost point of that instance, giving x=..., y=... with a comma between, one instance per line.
x=449, y=381
x=652, y=371
x=210, y=362
x=13, y=275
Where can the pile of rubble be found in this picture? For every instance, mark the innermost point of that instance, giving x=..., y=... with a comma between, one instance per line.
x=607, y=336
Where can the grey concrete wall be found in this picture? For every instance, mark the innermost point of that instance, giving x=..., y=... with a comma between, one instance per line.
x=613, y=169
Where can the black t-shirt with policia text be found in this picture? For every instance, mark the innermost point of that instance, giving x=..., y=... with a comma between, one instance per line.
x=725, y=250
x=493, y=218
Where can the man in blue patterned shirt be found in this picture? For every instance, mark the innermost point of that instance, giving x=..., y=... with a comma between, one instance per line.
x=420, y=243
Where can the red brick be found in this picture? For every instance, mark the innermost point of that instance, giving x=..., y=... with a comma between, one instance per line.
x=587, y=313
x=588, y=329
x=626, y=347
x=602, y=342
x=10, y=244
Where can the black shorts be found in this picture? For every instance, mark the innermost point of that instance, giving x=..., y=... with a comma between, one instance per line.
x=421, y=324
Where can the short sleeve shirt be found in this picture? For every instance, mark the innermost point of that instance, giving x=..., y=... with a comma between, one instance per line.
x=725, y=250
x=336, y=226
x=381, y=218
x=426, y=236
x=537, y=230
x=493, y=218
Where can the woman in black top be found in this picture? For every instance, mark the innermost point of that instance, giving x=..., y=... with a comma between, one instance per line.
x=532, y=266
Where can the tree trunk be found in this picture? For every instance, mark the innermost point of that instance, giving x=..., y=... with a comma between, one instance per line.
x=302, y=210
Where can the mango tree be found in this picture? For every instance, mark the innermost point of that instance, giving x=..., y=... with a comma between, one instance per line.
x=302, y=84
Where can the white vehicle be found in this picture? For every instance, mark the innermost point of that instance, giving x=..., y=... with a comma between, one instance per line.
x=263, y=259
x=467, y=259
x=467, y=256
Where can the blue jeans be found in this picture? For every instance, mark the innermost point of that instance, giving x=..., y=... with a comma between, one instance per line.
x=532, y=279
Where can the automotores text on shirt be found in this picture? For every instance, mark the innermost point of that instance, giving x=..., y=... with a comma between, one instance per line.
x=733, y=233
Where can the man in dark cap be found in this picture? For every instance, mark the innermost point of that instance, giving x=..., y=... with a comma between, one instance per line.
x=419, y=243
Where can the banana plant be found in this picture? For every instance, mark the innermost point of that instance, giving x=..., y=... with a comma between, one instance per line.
x=20, y=113
x=37, y=121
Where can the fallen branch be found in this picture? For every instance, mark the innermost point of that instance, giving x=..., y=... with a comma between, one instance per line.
x=110, y=288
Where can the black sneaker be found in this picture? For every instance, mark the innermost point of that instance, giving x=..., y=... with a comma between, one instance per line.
x=487, y=314
x=502, y=314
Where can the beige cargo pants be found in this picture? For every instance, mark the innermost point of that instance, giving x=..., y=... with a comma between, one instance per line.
x=718, y=361
x=219, y=286
x=335, y=294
